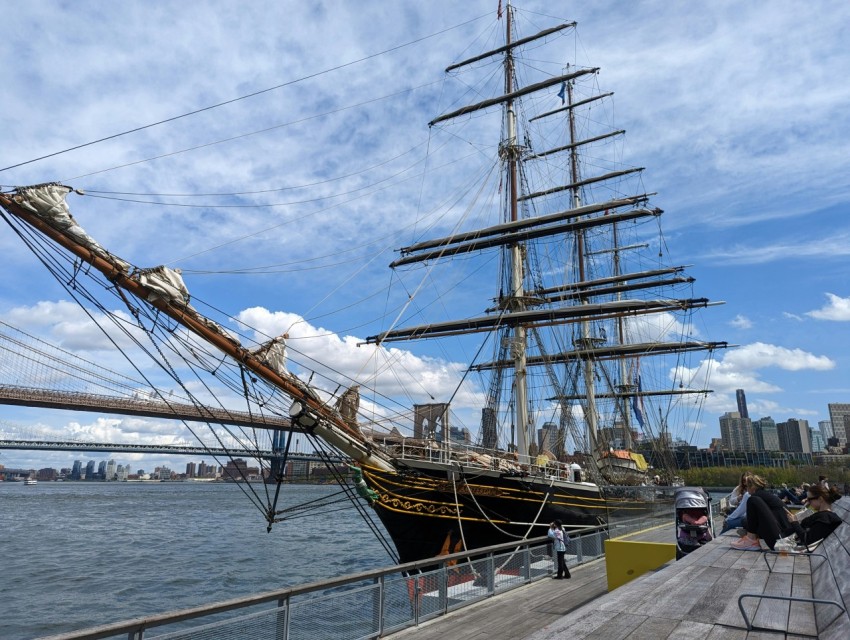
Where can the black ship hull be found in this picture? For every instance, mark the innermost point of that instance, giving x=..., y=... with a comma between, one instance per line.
x=434, y=509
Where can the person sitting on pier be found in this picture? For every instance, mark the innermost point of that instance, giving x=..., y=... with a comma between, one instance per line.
x=733, y=500
x=767, y=517
x=823, y=521
x=794, y=496
x=738, y=515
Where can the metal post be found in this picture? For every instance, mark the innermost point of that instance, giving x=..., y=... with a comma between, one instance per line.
x=417, y=598
x=282, y=622
x=491, y=573
x=444, y=588
x=526, y=563
x=378, y=605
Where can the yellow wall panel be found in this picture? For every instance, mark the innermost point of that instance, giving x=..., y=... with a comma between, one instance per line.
x=625, y=560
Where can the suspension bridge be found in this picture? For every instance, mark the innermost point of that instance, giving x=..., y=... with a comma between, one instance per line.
x=35, y=373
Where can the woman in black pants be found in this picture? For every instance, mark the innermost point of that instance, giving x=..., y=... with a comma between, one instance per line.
x=823, y=521
x=767, y=517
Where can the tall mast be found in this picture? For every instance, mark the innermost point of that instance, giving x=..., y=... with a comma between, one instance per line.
x=586, y=341
x=510, y=152
x=625, y=383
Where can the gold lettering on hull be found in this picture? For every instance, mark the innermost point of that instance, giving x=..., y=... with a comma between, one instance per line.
x=447, y=487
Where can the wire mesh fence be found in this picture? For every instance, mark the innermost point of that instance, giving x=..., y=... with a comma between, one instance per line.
x=366, y=605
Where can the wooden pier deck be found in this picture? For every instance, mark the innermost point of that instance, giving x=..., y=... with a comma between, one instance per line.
x=526, y=610
x=696, y=597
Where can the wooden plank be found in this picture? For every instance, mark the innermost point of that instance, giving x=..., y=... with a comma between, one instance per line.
x=749, y=560
x=690, y=631
x=727, y=633
x=579, y=624
x=781, y=563
x=842, y=508
x=645, y=590
x=716, y=598
x=838, y=630
x=618, y=627
x=725, y=557
x=752, y=582
x=803, y=565
x=773, y=614
x=801, y=617
x=653, y=629
x=713, y=555
x=677, y=595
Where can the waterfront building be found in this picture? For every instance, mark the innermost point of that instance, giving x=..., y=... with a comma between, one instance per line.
x=460, y=435
x=547, y=437
x=489, y=429
x=766, y=435
x=296, y=469
x=825, y=427
x=716, y=444
x=46, y=475
x=77, y=470
x=794, y=435
x=90, y=472
x=111, y=470
x=818, y=442
x=101, y=470
x=616, y=437
x=238, y=470
x=736, y=432
x=190, y=469
x=839, y=417
x=691, y=458
x=741, y=398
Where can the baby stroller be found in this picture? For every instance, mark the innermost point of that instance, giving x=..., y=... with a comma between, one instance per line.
x=694, y=520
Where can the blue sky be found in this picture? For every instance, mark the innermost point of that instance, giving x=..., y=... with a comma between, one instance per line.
x=737, y=110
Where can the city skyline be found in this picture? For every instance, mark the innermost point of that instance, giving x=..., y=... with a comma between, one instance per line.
x=763, y=434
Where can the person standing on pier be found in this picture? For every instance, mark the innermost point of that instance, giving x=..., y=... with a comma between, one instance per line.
x=559, y=537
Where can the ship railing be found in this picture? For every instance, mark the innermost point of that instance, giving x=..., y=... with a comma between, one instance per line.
x=477, y=458
x=370, y=604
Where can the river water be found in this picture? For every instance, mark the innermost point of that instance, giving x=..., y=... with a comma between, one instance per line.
x=79, y=554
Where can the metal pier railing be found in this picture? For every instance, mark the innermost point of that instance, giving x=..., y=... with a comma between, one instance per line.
x=363, y=605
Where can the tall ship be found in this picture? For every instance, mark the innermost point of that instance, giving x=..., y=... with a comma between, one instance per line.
x=577, y=376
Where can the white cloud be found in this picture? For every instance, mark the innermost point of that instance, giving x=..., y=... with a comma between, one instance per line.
x=833, y=244
x=343, y=359
x=658, y=328
x=837, y=308
x=741, y=322
x=758, y=355
x=748, y=367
